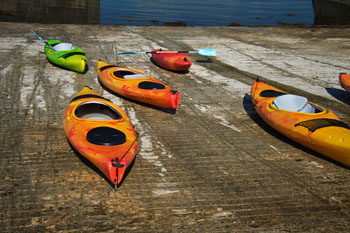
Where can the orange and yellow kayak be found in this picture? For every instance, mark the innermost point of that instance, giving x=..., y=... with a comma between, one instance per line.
x=101, y=132
x=170, y=60
x=304, y=122
x=137, y=85
x=344, y=80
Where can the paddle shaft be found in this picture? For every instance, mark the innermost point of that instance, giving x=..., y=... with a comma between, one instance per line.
x=203, y=52
x=173, y=52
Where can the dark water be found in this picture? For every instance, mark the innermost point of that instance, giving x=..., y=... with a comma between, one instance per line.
x=178, y=12
x=206, y=12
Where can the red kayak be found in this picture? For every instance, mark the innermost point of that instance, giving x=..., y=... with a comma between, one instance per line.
x=344, y=80
x=171, y=60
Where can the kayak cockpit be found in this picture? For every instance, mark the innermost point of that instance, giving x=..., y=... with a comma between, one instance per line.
x=127, y=74
x=63, y=47
x=295, y=103
x=96, y=111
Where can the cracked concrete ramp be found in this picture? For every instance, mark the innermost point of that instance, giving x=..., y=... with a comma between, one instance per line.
x=213, y=166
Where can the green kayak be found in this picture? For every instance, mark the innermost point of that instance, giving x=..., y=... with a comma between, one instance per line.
x=66, y=55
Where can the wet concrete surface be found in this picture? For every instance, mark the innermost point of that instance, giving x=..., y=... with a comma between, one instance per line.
x=213, y=166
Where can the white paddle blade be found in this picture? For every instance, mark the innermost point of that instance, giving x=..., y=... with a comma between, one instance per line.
x=207, y=52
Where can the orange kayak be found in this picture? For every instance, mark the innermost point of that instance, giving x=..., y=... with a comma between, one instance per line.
x=137, y=85
x=101, y=132
x=304, y=122
x=344, y=80
x=175, y=61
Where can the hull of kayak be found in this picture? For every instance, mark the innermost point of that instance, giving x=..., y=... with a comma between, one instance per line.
x=344, y=80
x=101, y=132
x=136, y=85
x=171, y=61
x=320, y=131
x=66, y=55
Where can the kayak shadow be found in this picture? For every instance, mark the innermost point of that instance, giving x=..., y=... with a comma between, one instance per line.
x=174, y=71
x=95, y=169
x=250, y=110
x=166, y=110
x=86, y=69
x=204, y=61
x=339, y=94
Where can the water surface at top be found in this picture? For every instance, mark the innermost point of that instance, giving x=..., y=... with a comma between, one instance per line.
x=206, y=12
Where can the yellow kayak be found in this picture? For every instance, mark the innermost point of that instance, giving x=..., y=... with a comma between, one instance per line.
x=302, y=121
x=101, y=132
x=137, y=85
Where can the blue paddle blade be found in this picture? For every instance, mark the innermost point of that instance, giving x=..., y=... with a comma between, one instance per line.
x=42, y=40
x=38, y=36
x=207, y=52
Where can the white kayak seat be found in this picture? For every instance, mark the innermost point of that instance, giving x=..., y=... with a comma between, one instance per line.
x=63, y=47
x=308, y=108
x=293, y=103
x=132, y=76
x=97, y=116
x=94, y=110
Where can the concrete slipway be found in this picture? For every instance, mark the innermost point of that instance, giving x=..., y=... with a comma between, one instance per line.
x=213, y=166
